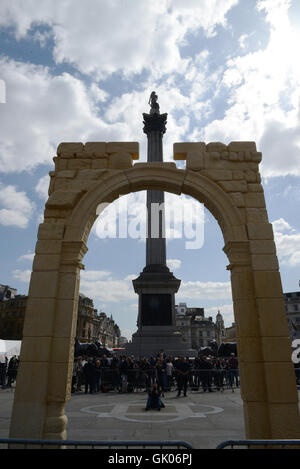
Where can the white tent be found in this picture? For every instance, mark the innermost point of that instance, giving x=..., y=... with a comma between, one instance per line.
x=9, y=348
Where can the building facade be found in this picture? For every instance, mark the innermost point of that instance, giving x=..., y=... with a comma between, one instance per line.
x=197, y=330
x=91, y=326
x=292, y=307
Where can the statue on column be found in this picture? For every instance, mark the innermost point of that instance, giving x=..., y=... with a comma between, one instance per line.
x=153, y=103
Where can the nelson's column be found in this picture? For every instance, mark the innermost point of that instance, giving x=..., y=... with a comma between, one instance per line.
x=156, y=285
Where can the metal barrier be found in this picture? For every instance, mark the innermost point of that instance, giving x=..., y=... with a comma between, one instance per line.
x=259, y=444
x=74, y=444
x=139, y=379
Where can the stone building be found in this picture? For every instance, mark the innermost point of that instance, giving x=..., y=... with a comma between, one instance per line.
x=7, y=292
x=12, y=312
x=85, y=319
x=292, y=307
x=197, y=330
x=91, y=326
x=106, y=330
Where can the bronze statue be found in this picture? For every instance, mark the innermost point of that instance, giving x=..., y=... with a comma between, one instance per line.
x=153, y=103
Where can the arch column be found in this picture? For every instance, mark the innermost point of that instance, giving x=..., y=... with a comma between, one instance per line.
x=267, y=376
x=45, y=370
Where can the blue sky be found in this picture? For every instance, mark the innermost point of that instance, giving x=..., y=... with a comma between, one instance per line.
x=224, y=70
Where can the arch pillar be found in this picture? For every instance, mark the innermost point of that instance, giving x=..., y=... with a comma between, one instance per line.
x=45, y=372
x=267, y=376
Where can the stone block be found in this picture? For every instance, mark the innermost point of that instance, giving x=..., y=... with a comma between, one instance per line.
x=124, y=147
x=60, y=377
x=267, y=284
x=272, y=316
x=246, y=316
x=250, y=175
x=262, y=246
x=255, y=187
x=60, y=163
x=46, y=262
x=216, y=147
x=48, y=246
x=195, y=161
x=39, y=317
x=281, y=382
x=257, y=156
x=30, y=392
x=234, y=186
x=238, y=199
x=242, y=285
x=69, y=149
x=51, y=231
x=252, y=381
x=260, y=231
x=80, y=163
x=33, y=347
x=218, y=174
x=68, y=174
x=66, y=318
x=68, y=285
x=180, y=150
x=257, y=215
x=94, y=149
x=250, y=349
x=264, y=262
x=233, y=156
x=257, y=423
x=214, y=155
x=276, y=349
x=91, y=173
x=43, y=285
x=120, y=161
x=62, y=349
x=242, y=146
x=285, y=421
x=100, y=163
x=237, y=175
x=63, y=199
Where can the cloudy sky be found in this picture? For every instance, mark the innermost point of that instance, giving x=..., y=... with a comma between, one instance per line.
x=224, y=70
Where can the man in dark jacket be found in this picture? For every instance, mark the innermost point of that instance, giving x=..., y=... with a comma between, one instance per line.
x=182, y=375
x=88, y=371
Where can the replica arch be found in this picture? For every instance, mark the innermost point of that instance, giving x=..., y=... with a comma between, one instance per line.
x=226, y=179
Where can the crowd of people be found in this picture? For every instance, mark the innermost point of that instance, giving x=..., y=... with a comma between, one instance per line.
x=8, y=370
x=127, y=374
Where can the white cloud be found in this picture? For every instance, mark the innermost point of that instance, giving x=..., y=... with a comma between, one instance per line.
x=94, y=39
x=281, y=225
x=174, y=264
x=22, y=275
x=264, y=96
x=102, y=286
x=204, y=290
x=42, y=187
x=43, y=110
x=287, y=241
x=26, y=257
x=16, y=209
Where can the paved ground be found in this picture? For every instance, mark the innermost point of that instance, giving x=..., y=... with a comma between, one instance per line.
x=202, y=419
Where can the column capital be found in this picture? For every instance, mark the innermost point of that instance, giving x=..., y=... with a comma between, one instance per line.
x=238, y=253
x=155, y=122
x=72, y=253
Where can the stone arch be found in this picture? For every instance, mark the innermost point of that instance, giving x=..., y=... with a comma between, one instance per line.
x=226, y=179
x=159, y=177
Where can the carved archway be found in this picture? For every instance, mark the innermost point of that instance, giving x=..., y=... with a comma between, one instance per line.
x=227, y=181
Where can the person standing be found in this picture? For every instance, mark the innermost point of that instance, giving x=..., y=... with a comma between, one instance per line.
x=88, y=371
x=183, y=371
